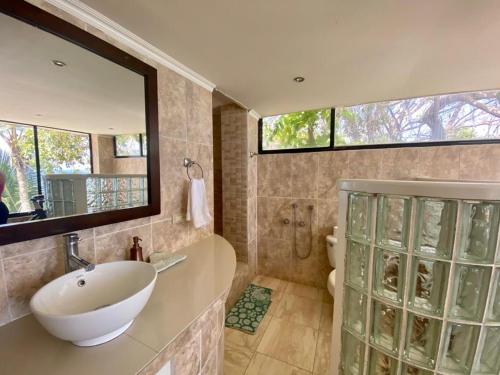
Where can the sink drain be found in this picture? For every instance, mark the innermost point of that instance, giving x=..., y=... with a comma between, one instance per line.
x=81, y=283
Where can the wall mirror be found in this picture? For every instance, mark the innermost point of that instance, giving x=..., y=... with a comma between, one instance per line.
x=78, y=128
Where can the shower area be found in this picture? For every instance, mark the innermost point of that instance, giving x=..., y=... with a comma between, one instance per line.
x=419, y=288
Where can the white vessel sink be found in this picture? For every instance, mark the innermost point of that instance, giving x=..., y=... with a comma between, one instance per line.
x=91, y=308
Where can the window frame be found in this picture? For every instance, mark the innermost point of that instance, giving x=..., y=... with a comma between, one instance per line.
x=37, y=155
x=141, y=148
x=332, y=146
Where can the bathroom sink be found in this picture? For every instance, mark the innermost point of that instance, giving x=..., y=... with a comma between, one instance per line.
x=91, y=308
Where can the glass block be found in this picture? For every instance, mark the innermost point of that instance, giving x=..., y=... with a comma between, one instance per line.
x=382, y=364
x=359, y=222
x=422, y=340
x=435, y=227
x=410, y=370
x=469, y=292
x=68, y=190
x=357, y=264
x=393, y=217
x=354, y=311
x=494, y=307
x=429, y=280
x=488, y=359
x=389, y=274
x=57, y=190
x=459, y=347
x=478, y=240
x=353, y=355
x=386, y=325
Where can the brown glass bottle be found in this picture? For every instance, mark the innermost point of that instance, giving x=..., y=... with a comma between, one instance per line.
x=136, y=250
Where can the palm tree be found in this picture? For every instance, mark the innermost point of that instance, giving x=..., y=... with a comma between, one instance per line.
x=17, y=138
x=10, y=195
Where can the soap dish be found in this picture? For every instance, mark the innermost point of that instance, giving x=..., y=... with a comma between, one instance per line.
x=163, y=261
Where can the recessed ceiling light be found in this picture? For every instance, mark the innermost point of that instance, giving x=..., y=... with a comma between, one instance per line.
x=38, y=115
x=111, y=128
x=59, y=63
x=299, y=79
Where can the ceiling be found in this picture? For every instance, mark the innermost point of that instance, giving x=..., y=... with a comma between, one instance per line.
x=350, y=52
x=90, y=94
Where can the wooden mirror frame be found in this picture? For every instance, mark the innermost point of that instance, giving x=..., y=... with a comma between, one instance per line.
x=45, y=21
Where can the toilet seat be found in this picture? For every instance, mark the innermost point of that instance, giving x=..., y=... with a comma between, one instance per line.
x=331, y=283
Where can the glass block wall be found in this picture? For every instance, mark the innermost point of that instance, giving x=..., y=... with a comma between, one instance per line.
x=421, y=286
x=105, y=193
x=77, y=194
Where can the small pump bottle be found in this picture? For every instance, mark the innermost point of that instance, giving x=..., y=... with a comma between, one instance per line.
x=136, y=250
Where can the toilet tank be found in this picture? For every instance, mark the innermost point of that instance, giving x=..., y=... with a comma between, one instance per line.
x=331, y=244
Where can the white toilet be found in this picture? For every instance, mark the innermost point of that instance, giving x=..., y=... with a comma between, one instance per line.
x=331, y=246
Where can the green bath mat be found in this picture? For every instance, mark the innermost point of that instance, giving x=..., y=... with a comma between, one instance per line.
x=250, y=309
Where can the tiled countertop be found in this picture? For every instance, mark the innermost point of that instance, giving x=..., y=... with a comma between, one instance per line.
x=181, y=294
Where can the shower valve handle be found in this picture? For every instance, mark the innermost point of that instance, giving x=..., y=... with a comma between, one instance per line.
x=286, y=221
x=302, y=224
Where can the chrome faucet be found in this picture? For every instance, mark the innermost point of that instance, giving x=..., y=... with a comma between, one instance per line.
x=72, y=261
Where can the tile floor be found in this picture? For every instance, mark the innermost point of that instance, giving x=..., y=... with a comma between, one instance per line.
x=293, y=338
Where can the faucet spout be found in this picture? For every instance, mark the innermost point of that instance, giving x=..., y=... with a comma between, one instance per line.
x=72, y=259
x=81, y=263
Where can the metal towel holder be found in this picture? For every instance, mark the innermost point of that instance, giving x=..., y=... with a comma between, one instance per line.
x=188, y=163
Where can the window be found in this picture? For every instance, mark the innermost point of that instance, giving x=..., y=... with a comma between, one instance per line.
x=469, y=117
x=298, y=130
x=28, y=153
x=455, y=117
x=144, y=145
x=63, y=152
x=130, y=145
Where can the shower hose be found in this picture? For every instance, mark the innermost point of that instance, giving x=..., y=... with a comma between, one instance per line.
x=302, y=224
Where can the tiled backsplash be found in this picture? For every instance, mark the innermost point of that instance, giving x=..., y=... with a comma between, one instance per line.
x=185, y=121
x=310, y=178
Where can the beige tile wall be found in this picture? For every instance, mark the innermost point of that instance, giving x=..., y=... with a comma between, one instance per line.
x=130, y=165
x=217, y=150
x=310, y=178
x=185, y=119
x=199, y=349
x=105, y=162
x=239, y=192
x=239, y=183
x=102, y=150
x=252, y=193
x=234, y=178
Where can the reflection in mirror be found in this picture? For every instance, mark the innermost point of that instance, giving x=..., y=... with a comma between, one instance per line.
x=129, y=145
x=72, y=128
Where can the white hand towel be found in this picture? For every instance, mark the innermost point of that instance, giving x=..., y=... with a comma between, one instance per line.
x=197, y=209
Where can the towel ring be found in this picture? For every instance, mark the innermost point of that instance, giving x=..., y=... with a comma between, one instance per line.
x=188, y=163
